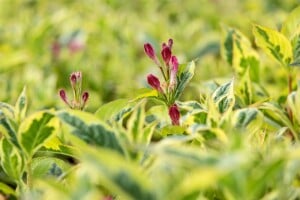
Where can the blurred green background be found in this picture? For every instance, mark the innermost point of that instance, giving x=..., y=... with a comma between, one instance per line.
x=42, y=42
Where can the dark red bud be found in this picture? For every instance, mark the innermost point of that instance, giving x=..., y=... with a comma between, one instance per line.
x=174, y=114
x=85, y=97
x=154, y=82
x=166, y=54
x=149, y=51
x=75, y=77
x=63, y=95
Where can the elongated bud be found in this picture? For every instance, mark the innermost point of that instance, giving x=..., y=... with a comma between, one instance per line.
x=63, y=96
x=75, y=77
x=154, y=82
x=173, y=72
x=85, y=97
x=166, y=54
x=149, y=51
x=174, y=114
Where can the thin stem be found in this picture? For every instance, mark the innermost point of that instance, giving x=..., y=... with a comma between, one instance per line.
x=29, y=174
x=163, y=73
x=290, y=81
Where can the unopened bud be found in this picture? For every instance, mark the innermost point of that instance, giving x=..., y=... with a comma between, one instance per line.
x=154, y=82
x=173, y=72
x=75, y=77
x=166, y=54
x=149, y=51
x=63, y=96
x=85, y=97
x=174, y=114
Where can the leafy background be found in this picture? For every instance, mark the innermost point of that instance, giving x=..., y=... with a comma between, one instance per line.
x=239, y=133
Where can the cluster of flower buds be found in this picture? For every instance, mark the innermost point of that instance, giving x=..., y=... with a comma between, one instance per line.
x=79, y=98
x=169, y=69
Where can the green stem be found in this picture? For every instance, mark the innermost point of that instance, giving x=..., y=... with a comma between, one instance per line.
x=163, y=73
x=29, y=174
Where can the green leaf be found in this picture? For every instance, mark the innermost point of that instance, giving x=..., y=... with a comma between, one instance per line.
x=7, y=109
x=223, y=97
x=7, y=189
x=144, y=93
x=185, y=74
x=136, y=122
x=274, y=43
x=120, y=176
x=11, y=160
x=35, y=130
x=250, y=119
x=112, y=109
x=8, y=130
x=21, y=106
x=291, y=25
x=172, y=130
x=43, y=167
x=237, y=50
x=95, y=133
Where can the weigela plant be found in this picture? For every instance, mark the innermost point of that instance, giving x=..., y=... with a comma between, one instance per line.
x=168, y=68
x=79, y=98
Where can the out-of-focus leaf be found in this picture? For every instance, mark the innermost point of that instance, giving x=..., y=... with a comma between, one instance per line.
x=8, y=130
x=11, y=160
x=290, y=27
x=21, y=106
x=223, y=97
x=43, y=167
x=237, y=50
x=143, y=93
x=274, y=43
x=7, y=189
x=250, y=119
x=112, y=109
x=94, y=133
x=126, y=181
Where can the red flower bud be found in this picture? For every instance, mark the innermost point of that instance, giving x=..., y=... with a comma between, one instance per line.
x=150, y=51
x=174, y=63
x=166, y=54
x=75, y=77
x=154, y=82
x=174, y=114
x=85, y=97
x=63, y=96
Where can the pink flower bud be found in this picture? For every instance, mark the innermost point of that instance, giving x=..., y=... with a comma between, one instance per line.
x=173, y=72
x=174, y=63
x=150, y=51
x=85, y=97
x=174, y=114
x=75, y=77
x=63, y=96
x=166, y=54
x=154, y=82
x=75, y=46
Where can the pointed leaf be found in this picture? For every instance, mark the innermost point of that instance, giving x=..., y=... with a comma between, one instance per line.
x=21, y=106
x=35, y=131
x=223, y=97
x=185, y=74
x=95, y=133
x=274, y=43
x=290, y=27
x=112, y=109
x=248, y=118
x=11, y=160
